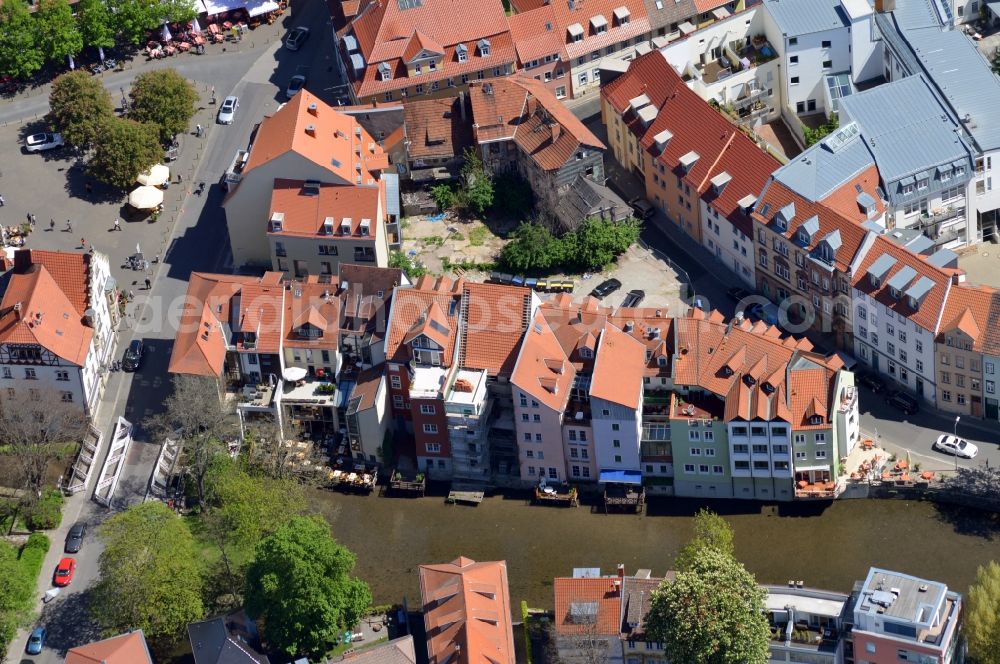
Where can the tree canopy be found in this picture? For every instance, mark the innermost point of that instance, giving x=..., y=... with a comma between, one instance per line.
x=132, y=18
x=533, y=247
x=594, y=244
x=711, y=531
x=299, y=582
x=95, y=24
x=164, y=98
x=57, y=30
x=477, y=185
x=982, y=615
x=79, y=104
x=124, y=149
x=150, y=575
x=711, y=613
x=21, y=53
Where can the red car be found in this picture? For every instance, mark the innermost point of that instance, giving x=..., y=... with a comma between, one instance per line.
x=64, y=572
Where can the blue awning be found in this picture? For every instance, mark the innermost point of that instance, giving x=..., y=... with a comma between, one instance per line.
x=620, y=477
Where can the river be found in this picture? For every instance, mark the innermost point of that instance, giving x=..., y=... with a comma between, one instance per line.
x=826, y=546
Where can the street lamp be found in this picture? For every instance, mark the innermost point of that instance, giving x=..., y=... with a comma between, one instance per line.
x=957, y=418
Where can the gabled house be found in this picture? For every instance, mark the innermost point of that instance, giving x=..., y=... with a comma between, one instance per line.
x=959, y=347
x=587, y=621
x=467, y=612
x=305, y=145
x=437, y=131
x=230, y=639
x=127, y=648
x=397, y=651
x=400, y=49
x=58, y=317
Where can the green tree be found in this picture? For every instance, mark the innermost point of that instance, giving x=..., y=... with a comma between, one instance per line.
x=982, y=615
x=599, y=242
x=178, y=11
x=150, y=577
x=95, y=24
x=299, y=582
x=124, y=149
x=514, y=195
x=21, y=53
x=819, y=133
x=164, y=98
x=711, y=531
x=131, y=19
x=477, y=185
x=533, y=247
x=711, y=613
x=411, y=268
x=79, y=104
x=444, y=196
x=16, y=594
x=57, y=30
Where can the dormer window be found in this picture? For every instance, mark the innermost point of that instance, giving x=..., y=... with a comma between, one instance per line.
x=913, y=303
x=816, y=419
x=767, y=387
x=586, y=353
x=802, y=236
x=622, y=15
x=874, y=281
x=894, y=293
x=384, y=71
x=599, y=24
x=462, y=51
x=484, y=48
x=825, y=252
x=575, y=32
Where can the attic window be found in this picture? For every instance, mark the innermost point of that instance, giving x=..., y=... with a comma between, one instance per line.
x=767, y=387
x=894, y=293
x=484, y=48
x=599, y=24
x=462, y=51
x=913, y=303
x=622, y=15
x=816, y=419
x=384, y=71
x=875, y=281
x=586, y=353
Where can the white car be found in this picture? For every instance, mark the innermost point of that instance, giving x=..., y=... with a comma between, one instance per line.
x=296, y=37
x=295, y=85
x=228, y=109
x=42, y=142
x=956, y=446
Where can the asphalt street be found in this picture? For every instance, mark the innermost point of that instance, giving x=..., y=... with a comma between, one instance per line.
x=190, y=236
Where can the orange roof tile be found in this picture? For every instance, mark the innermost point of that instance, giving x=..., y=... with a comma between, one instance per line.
x=418, y=43
x=749, y=168
x=305, y=212
x=968, y=310
x=124, y=649
x=574, y=603
x=467, y=612
x=543, y=369
x=315, y=305
x=536, y=33
x=415, y=309
x=330, y=144
x=70, y=270
x=566, y=14
x=844, y=199
x=618, y=368
x=435, y=128
x=496, y=320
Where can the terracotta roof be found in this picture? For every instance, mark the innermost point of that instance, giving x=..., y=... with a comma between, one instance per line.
x=435, y=128
x=929, y=313
x=749, y=168
x=36, y=311
x=200, y=344
x=366, y=389
x=467, y=612
x=305, y=212
x=618, y=368
x=496, y=320
x=707, y=5
x=776, y=196
x=123, y=649
x=314, y=304
x=70, y=270
x=369, y=291
x=968, y=309
x=844, y=199
x=330, y=144
x=565, y=14
x=991, y=342
x=543, y=369
x=397, y=651
x=536, y=33
x=414, y=308
x=525, y=111
x=575, y=600
x=418, y=43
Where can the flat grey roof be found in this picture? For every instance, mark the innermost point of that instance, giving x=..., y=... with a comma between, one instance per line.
x=943, y=258
x=909, y=595
x=822, y=168
x=905, y=126
x=801, y=17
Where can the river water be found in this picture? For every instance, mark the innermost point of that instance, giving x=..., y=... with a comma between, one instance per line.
x=826, y=546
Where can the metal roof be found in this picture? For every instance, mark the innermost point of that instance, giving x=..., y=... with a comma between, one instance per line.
x=905, y=127
x=392, y=194
x=943, y=258
x=881, y=265
x=801, y=17
x=900, y=280
x=918, y=290
x=825, y=166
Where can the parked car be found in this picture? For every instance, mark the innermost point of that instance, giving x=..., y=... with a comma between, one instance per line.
x=736, y=293
x=606, y=288
x=634, y=298
x=765, y=312
x=956, y=446
x=227, y=112
x=133, y=356
x=36, y=641
x=64, y=572
x=74, y=538
x=295, y=85
x=296, y=38
x=642, y=208
x=870, y=380
x=902, y=401
x=42, y=142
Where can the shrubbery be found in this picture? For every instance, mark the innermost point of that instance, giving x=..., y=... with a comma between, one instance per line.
x=595, y=244
x=46, y=514
x=18, y=578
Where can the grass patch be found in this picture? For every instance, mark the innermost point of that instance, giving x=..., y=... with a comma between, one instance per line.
x=432, y=241
x=478, y=235
x=19, y=570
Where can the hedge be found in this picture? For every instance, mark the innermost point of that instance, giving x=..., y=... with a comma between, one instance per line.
x=18, y=579
x=47, y=512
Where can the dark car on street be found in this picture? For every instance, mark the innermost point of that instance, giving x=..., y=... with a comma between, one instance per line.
x=634, y=298
x=902, y=401
x=606, y=288
x=133, y=356
x=870, y=380
x=74, y=538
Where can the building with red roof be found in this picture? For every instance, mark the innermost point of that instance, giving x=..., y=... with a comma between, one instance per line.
x=394, y=50
x=959, y=350
x=127, y=648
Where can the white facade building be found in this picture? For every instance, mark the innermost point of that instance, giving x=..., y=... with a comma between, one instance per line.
x=728, y=243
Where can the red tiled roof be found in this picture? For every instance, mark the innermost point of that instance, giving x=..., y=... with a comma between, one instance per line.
x=467, y=612
x=571, y=593
x=844, y=199
x=618, y=368
x=418, y=43
x=305, y=213
x=495, y=324
x=968, y=309
x=412, y=307
x=524, y=110
x=536, y=33
x=70, y=271
x=749, y=167
x=124, y=649
x=565, y=14
x=314, y=304
x=436, y=129
x=543, y=369
x=707, y=5
x=928, y=315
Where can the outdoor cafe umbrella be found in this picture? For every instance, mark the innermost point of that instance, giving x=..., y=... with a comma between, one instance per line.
x=195, y=26
x=293, y=374
x=154, y=176
x=145, y=198
x=166, y=33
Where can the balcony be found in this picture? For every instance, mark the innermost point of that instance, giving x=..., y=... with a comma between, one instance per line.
x=803, y=636
x=364, y=256
x=848, y=400
x=235, y=171
x=577, y=412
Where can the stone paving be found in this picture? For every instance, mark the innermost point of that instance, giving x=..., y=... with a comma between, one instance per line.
x=981, y=263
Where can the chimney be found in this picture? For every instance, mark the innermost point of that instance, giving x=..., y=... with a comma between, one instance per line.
x=461, y=105
x=556, y=130
x=883, y=6
x=311, y=129
x=313, y=109
x=22, y=260
x=958, y=277
x=621, y=571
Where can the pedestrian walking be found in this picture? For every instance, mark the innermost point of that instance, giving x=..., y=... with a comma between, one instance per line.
x=2, y=201
x=29, y=217
x=69, y=226
x=52, y=224
x=34, y=220
x=118, y=224
x=197, y=130
x=83, y=243
x=149, y=283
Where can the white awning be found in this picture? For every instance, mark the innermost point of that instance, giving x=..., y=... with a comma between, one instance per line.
x=686, y=28
x=258, y=7
x=213, y=7
x=621, y=13
x=598, y=22
x=574, y=29
x=721, y=13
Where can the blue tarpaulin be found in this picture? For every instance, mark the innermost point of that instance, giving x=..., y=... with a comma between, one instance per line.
x=621, y=476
